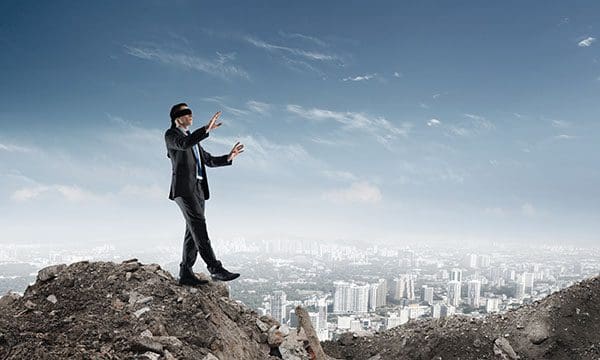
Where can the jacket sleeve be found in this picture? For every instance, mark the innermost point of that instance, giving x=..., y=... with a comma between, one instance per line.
x=176, y=140
x=215, y=161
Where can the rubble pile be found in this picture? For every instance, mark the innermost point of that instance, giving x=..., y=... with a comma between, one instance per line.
x=564, y=325
x=104, y=310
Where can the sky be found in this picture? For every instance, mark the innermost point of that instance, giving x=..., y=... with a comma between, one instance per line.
x=389, y=122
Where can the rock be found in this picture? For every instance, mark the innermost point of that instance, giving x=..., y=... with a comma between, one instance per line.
x=538, y=332
x=9, y=298
x=262, y=326
x=144, y=300
x=146, y=333
x=144, y=343
x=151, y=267
x=150, y=356
x=285, y=330
x=168, y=355
x=210, y=356
x=52, y=298
x=50, y=272
x=130, y=266
x=30, y=304
x=169, y=341
x=141, y=311
x=275, y=337
x=504, y=350
x=128, y=276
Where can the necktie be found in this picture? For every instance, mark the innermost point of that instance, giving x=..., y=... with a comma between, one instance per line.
x=197, y=156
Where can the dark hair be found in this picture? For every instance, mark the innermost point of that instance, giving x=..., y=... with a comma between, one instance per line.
x=174, y=109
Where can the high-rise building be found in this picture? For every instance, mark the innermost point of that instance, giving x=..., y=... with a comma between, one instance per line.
x=484, y=261
x=436, y=311
x=491, y=305
x=519, y=290
x=470, y=261
x=456, y=275
x=373, y=296
x=473, y=292
x=527, y=279
x=427, y=294
x=278, y=305
x=447, y=310
x=350, y=298
x=381, y=293
x=322, y=307
x=454, y=292
x=404, y=287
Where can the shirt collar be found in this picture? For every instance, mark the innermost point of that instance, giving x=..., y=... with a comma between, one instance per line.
x=182, y=129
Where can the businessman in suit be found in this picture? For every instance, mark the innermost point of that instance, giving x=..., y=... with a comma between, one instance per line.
x=189, y=189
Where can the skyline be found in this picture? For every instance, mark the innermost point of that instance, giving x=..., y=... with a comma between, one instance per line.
x=391, y=122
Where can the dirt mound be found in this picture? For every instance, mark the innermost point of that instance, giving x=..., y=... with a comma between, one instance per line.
x=103, y=310
x=564, y=325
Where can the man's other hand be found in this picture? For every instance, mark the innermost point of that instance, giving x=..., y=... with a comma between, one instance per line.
x=237, y=149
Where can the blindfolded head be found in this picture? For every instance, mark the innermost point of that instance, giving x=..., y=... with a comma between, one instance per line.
x=180, y=113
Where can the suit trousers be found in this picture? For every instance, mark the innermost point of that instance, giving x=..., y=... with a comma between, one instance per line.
x=196, y=235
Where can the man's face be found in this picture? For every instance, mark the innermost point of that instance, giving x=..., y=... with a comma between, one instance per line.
x=185, y=120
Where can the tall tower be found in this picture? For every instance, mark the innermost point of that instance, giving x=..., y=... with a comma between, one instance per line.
x=474, y=289
x=454, y=293
x=278, y=304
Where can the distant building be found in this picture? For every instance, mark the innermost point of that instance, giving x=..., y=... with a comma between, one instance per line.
x=492, y=305
x=350, y=298
x=447, y=310
x=473, y=292
x=322, y=306
x=453, y=293
x=436, y=311
x=527, y=279
x=427, y=294
x=456, y=275
x=404, y=287
x=278, y=305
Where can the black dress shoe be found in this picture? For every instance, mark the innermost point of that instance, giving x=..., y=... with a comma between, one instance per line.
x=224, y=275
x=191, y=280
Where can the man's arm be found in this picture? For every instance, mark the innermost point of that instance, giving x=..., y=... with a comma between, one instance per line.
x=215, y=161
x=178, y=141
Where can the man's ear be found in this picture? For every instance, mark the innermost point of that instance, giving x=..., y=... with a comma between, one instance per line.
x=177, y=122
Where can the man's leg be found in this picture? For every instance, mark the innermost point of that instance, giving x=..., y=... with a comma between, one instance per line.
x=193, y=212
x=190, y=250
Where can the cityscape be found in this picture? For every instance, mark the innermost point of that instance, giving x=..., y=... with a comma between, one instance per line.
x=361, y=289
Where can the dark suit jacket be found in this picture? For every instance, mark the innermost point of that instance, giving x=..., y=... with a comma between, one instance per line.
x=180, y=151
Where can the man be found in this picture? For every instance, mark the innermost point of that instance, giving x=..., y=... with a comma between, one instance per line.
x=189, y=189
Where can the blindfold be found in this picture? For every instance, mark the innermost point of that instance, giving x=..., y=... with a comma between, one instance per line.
x=181, y=112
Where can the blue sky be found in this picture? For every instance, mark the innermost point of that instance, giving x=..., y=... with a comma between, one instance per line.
x=382, y=122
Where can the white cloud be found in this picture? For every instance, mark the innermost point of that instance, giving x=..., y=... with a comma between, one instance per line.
x=358, y=192
x=312, y=39
x=476, y=125
x=586, y=42
x=560, y=124
x=397, y=74
x=379, y=127
x=565, y=137
x=339, y=175
x=259, y=107
x=310, y=55
x=232, y=110
x=218, y=67
x=146, y=192
x=69, y=192
x=15, y=148
x=360, y=77
x=434, y=122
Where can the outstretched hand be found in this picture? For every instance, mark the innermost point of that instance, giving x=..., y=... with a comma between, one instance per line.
x=237, y=149
x=212, y=124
